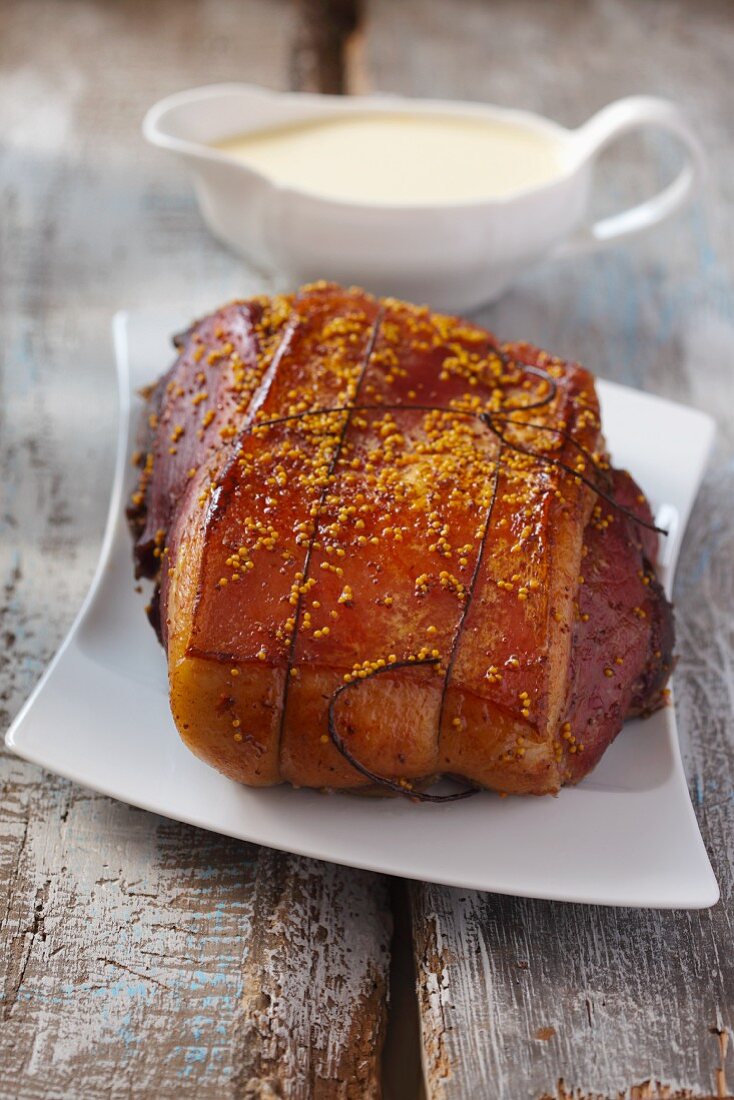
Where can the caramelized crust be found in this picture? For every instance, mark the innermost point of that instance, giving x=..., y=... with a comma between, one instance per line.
x=388, y=549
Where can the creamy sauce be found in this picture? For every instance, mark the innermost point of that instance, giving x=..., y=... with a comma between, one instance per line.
x=401, y=158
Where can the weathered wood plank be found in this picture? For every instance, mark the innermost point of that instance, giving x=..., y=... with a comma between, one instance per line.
x=315, y=927
x=122, y=945
x=133, y=950
x=517, y=997
x=151, y=958
x=320, y=50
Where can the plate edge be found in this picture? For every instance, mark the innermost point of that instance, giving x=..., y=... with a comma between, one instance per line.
x=122, y=374
x=704, y=900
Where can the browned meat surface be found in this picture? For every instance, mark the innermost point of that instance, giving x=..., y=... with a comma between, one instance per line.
x=622, y=633
x=388, y=549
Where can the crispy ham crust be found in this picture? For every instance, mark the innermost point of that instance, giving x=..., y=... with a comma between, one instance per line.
x=387, y=548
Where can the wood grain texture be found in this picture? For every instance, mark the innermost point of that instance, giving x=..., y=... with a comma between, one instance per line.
x=521, y=999
x=315, y=926
x=129, y=963
x=320, y=50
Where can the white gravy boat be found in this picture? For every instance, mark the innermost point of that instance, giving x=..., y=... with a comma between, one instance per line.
x=452, y=255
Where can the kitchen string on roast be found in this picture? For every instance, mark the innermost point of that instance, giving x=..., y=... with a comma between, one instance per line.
x=489, y=420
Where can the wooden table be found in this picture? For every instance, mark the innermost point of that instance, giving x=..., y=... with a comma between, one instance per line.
x=143, y=958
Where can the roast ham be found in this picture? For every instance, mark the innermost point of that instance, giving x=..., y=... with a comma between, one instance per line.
x=387, y=548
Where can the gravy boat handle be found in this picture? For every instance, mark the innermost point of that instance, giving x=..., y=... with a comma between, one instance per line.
x=636, y=113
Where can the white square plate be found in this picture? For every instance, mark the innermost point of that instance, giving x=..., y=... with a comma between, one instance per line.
x=626, y=836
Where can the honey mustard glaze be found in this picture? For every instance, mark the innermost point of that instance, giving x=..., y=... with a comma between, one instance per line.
x=402, y=158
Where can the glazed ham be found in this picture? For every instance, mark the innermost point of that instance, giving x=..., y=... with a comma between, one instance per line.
x=387, y=548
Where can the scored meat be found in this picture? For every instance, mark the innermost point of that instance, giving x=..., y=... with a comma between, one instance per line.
x=387, y=548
